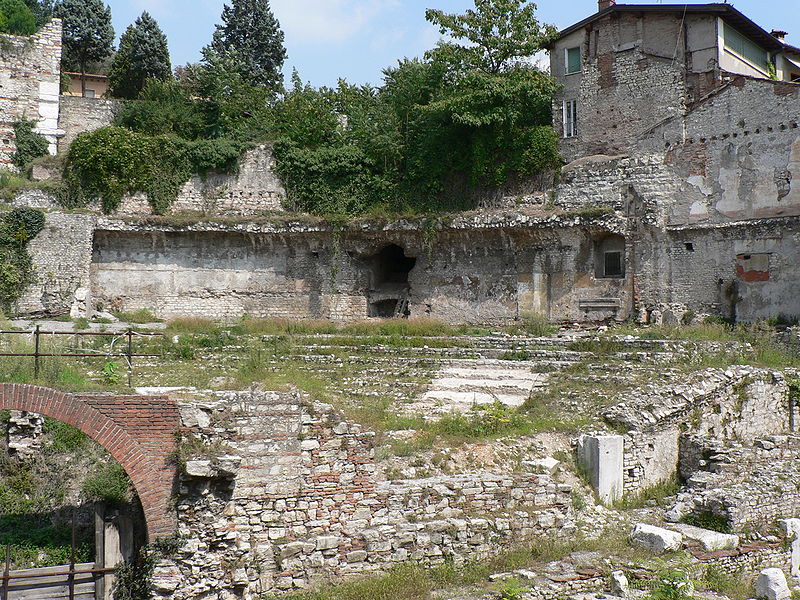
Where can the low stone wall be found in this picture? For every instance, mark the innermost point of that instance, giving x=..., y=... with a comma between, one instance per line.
x=305, y=504
x=739, y=402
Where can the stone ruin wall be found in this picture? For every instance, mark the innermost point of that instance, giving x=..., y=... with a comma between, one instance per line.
x=303, y=270
x=61, y=254
x=742, y=403
x=254, y=190
x=296, y=500
x=30, y=69
x=80, y=115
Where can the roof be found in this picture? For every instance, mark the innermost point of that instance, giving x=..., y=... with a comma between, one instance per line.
x=92, y=75
x=727, y=12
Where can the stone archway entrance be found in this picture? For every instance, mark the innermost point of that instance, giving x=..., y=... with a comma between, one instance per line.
x=138, y=432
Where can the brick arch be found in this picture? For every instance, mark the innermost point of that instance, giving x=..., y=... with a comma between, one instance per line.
x=138, y=431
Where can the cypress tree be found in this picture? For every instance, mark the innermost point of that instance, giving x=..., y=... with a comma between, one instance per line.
x=251, y=30
x=142, y=55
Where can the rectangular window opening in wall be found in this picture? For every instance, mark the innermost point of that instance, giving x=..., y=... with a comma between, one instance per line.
x=570, y=111
x=689, y=246
x=88, y=93
x=612, y=264
x=572, y=58
x=740, y=45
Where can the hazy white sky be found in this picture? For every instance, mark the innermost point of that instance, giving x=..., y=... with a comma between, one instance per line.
x=356, y=39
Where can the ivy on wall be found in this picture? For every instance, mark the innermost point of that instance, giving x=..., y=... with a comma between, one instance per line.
x=30, y=145
x=110, y=162
x=17, y=228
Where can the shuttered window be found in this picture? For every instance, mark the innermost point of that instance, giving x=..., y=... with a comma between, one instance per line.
x=745, y=48
x=573, y=58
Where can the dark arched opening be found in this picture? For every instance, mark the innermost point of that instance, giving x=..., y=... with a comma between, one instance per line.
x=389, y=282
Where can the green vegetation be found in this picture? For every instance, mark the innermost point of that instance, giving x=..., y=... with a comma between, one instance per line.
x=16, y=18
x=435, y=136
x=708, y=520
x=63, y=438
x=88, y=33
x=140, y=316
x=30, y=145
x=251, y=38
x=17, y=228
x=657, y=495
x=134, y=579
x=110, y=162
x=142, y=55
x=735, y=587
x=109, y=483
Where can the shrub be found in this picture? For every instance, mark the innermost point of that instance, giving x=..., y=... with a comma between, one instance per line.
x=30, y=145
x=17, y=228
x=16, y=18
x=64, y=437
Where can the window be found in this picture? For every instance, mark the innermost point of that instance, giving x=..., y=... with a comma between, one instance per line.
x=570, y=118
x=572, y=57
x=88, y=94
x=745, y=48
x=610, y=257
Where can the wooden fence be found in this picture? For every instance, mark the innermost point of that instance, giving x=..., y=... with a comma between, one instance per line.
x=52, y=583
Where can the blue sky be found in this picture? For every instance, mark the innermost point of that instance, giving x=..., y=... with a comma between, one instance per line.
x=356, y=39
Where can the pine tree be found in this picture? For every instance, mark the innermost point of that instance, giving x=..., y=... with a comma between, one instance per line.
x=251, y=30
x=88, y=33
x=16, y=18
x=142, y=55
x=42, y=10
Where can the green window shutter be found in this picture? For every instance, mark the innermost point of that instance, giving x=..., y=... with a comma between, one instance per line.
x=573, y=60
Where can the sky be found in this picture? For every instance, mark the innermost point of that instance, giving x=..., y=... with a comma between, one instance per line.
x=357, y=39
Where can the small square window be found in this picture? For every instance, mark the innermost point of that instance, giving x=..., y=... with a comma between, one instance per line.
x=612, y=264
x=88, y=93
x=573, y=60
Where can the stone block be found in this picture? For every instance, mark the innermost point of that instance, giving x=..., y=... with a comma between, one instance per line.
x=771, y=585
x=655, y=539
x=619, y=584
x=356, y=556
x=791, y=527
x=198, y=468
x=711, y=540
x=602, y=458
x=327, y=542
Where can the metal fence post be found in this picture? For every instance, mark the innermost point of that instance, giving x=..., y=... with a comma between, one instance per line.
x=36, y=334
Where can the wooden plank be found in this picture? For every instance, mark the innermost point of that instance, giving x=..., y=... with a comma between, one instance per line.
x=52, y=584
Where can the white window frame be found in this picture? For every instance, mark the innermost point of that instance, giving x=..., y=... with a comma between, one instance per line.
x=569, y=118
x=566, y=60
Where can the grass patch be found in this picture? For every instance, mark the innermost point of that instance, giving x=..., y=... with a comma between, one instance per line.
x=655, y=494
x=109, y=483
x=64, y=438
x=708, y=520
x=138, y=317
x=735, y=587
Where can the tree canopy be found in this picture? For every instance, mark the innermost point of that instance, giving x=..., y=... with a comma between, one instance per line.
x=41, y=10
x=88, y=33
x=251, y=36
x=142, y=55
x=495, y=36
x=16, y=18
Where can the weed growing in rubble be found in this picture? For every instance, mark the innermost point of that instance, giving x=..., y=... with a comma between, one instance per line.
x=735, y=587
x=654, y=495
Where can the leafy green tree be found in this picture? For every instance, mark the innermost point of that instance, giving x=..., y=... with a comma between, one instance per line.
x=88, y=33
x=232, y=106
x=252, y=37
x=163, y=108
x=16, y=18
x=41, y=10
x=497, y=34
x=142, y=55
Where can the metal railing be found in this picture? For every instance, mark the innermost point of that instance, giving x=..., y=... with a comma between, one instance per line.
x=37, y=354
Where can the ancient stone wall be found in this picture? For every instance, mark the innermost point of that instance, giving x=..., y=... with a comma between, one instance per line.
x=486, y=268
x=737, y=152
x=79, y=115
x=305, y=504
x=735, y=403
x=30, y=80
x=253, y=190
x=62, y=255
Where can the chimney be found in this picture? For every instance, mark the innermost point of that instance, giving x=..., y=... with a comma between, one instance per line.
x=604, y=4
x=778, y=34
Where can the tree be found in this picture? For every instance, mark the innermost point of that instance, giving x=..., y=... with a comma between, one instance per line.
x=16, y=18
x=88, y=33
x=41, y=10
x=142, y=55
x=251, y=31
x=498, y=34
